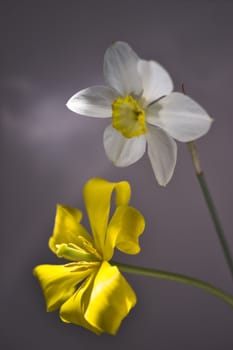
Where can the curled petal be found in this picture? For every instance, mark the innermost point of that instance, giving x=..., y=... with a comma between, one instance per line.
x=180, y=116
x=97, y=196
x=102, y=301
x=162, y=151
x=121, y=150
x=95, y=101
x=156, y=81
x=111, y=299
x=124, y=229
x=58, y=282
x=120, y=69
x=72, y=311
x=67, y=227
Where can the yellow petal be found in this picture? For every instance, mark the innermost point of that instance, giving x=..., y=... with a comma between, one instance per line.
x=124, y=229
x=97, y=195
x=67, y=227
x=58, y=282
x=110, y=300
x=72, y=311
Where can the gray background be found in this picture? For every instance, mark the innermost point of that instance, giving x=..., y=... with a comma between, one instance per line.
x=50, y=50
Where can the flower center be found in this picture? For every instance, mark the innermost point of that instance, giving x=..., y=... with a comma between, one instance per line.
x=84, y=252
x=128, y=117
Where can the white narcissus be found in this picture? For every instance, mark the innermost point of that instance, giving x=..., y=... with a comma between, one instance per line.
x=144, y=111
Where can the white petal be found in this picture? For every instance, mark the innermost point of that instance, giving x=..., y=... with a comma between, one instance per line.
x=162, y=151
x=180, y=117
x=95, y=101
x=156, y=82
x=120, y=69
x=122, y=151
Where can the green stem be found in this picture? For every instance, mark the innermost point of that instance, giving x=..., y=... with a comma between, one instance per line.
x=210, y=205
x=175, y=277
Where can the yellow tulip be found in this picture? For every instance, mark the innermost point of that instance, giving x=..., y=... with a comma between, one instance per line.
x=89, y=291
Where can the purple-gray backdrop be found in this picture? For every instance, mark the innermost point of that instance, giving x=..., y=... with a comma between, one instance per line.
x=50, y=50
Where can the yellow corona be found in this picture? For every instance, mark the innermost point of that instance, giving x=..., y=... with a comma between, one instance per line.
x=128, y=117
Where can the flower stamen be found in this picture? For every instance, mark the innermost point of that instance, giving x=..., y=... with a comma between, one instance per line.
x=128, y=117
x=88, y=247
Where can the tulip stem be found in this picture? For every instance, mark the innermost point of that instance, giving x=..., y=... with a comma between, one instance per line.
x=210, y=205
x=175, y=277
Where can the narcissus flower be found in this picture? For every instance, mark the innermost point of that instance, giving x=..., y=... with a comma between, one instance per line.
x=144, y=111
x=89, y=291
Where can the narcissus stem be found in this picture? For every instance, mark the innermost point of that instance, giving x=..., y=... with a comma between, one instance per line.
x=210, y=204
x=176, y=277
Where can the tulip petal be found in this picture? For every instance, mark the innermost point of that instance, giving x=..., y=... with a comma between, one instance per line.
x=95, y=101
x=162, y=151
x=124, y=229
x=110, y=301
x=120, y=69
x=67, y=227
x=121, y=150
x=72, y=311
x=58, y=282
x=97, y=197
x=180, y=116
x=156, y=81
